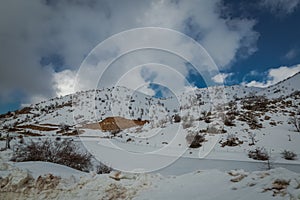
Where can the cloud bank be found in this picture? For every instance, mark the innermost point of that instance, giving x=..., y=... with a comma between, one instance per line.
x=33, y=31
x=275, y=75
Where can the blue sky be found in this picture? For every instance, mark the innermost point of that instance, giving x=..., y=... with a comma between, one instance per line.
x=278, y=43
x=279, y=35
x=43, y=43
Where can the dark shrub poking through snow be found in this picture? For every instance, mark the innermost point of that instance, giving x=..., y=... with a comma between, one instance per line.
x=177, y=118
x=259, y=154
x=231, y=141
x=289, y=155
x=63, y=152
x=195, y=140
x=228, y=122
x=103, y=169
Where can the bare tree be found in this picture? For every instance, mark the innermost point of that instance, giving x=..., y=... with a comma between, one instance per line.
x=252, y=138
x=7, y=144
x=295, y=121
x=8, y=139
x=269, y=164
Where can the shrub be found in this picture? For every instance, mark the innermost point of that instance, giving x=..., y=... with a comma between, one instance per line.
x=228, y=122
x=267, y=117
x=187, y=124
x=280, y=184
x=212, y=129
x=273, y=123
x=6, y=127
x=252, y=138
x=231, y=141
x=64, y=127
x=207, y=120
x=115, y=132
x=187, y=121
x=63, y=152
x=195, y=140
x=177, y=118
x=255, y=103
x=103, y=169
x=205, y=116
x=251, y=120
x=289, y=155
x=259, y=154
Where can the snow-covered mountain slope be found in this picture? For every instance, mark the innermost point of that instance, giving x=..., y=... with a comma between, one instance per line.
x=219, y=128
x=96, y=105
x=283, y=88
x=226, y=119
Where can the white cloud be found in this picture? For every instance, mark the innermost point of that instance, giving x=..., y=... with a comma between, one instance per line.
x=33, y=29
x=283, y=72
x=64, y=82
x=275, y=75
x=280, y=6
x=221, y=77
x=256, y=84
x=232, y=33
x=146, y=90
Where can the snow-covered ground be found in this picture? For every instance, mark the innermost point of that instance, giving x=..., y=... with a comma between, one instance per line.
x=17, y=182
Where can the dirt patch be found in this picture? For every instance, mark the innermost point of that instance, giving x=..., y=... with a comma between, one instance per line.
x=93, y=126
x=14, y=129
x=115, y=124
x=51, y=125
x=37, y=128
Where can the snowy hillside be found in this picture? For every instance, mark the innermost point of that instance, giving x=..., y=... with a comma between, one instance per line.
x=222, y=128
x=283, y=88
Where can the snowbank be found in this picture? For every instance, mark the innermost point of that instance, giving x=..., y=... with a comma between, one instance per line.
x=18, y=183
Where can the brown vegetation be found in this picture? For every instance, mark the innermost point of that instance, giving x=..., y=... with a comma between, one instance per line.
x=25, y=110
x=279, y=187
